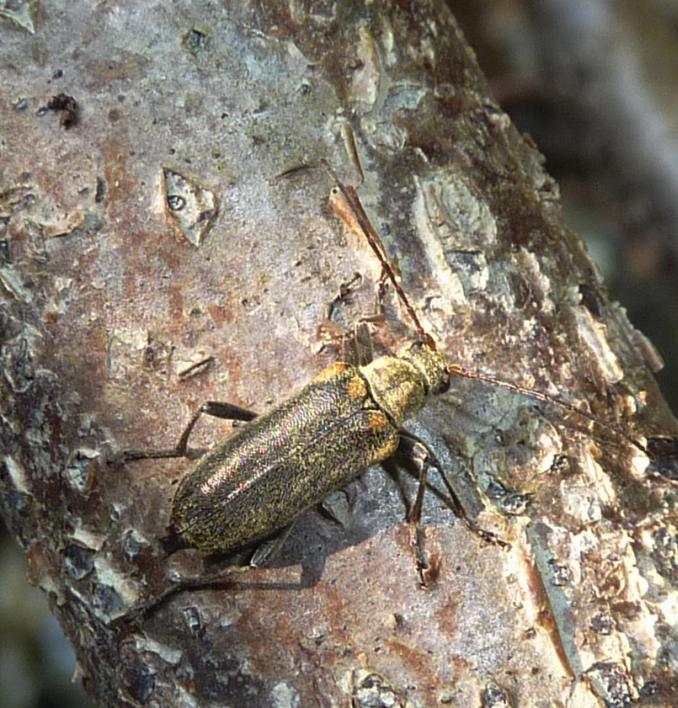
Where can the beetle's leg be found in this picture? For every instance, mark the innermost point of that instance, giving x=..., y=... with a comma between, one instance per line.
x=357, y=346
x=215, y=581
x=330, y=331
x=217, y=409
x=345, y=289
x=228, y=411
x=414, y=519
x=420, y=451
x=270, y=549
x=414, y=512
x=379, y=307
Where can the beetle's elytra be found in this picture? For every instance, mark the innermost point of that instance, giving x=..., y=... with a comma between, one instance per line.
x=315, y=442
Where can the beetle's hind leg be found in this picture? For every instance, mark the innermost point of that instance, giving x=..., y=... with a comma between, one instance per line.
x=227, y=411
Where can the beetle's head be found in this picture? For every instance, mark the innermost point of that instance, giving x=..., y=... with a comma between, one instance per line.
x=431, y=365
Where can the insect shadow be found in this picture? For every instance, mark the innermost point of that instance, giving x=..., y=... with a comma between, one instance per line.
x=314, y=535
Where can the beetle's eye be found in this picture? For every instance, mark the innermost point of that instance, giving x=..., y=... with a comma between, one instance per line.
x=445, y=385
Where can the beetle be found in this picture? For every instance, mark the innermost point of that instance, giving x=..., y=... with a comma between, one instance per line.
x=347, y=418
x=261, y=478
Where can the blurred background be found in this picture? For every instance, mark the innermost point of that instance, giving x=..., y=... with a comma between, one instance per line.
x=595, y=83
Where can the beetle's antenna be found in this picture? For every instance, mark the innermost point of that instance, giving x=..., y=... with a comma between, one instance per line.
x=545, y=398
x=348, y=207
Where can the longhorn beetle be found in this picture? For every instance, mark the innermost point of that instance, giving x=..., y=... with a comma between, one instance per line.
x=347, y=418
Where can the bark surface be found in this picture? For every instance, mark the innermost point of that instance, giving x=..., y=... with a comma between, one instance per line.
x=153, y=258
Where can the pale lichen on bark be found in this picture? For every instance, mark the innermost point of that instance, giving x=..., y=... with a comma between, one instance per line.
x=105, y=305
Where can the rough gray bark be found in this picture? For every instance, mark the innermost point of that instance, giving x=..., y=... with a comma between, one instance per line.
x=154, y=235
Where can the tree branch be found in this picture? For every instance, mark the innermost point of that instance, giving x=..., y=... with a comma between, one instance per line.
x=156, y=260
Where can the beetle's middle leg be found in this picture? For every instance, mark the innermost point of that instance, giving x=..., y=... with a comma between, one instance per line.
x=419, y=451
x=227, y=411
x=271, y=548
